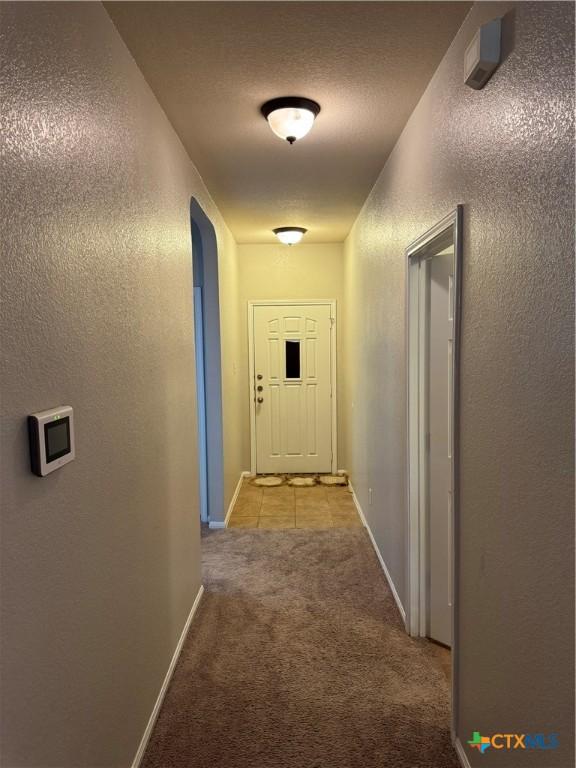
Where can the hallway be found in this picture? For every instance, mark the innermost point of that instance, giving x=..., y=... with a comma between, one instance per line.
x=325, y=240
x=302, y=659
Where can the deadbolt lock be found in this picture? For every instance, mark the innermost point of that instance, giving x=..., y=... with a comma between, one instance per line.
x=260, y=399
x=259, y=376
x=259, y=388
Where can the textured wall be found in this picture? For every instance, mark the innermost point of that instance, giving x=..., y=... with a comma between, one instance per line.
x=231, y=335
x=278, y=272
x=506, y=153
x=100, y=560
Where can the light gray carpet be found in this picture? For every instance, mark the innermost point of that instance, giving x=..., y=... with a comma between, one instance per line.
x=297, y=658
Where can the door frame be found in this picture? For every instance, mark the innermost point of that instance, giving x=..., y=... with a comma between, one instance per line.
x=252, y=373
x=201, y=401
x=416, y=443
x=205, y=260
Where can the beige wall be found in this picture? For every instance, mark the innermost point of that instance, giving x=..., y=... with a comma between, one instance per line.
x=286, y=272
x=506, y=153
x=100, y=560
x=231, y=318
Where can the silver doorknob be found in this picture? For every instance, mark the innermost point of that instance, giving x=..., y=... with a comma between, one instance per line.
x=260, y=399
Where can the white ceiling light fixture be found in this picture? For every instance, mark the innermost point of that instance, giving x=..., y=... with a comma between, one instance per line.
x=290, y=117
x=289, y=235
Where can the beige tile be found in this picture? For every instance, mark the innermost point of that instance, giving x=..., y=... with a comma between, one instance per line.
x=279, y=490
x=312, y=509
x=247, y=501
x=243, y=503
x=340, y=494
x=345, y=515
x=277, y=501
x=312, y=493
x=277, y=510
x=243, y=522
x=275, y=494
x=337, y=489
x=249, y=493
x=312, y=512
x=313, y=521
x=279, y=521
x=344, y=506
x=249, y=488
x=346, y=522
x=249, y=510
x=336, y=496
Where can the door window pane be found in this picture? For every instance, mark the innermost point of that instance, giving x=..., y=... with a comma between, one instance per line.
x=292, y=359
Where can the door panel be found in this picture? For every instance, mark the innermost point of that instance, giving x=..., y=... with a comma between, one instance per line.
x=439, y=347
x=292, y=355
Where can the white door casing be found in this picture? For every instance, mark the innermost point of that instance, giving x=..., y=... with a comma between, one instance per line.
x=293, y=415
x=445, y=234
x=439, y=341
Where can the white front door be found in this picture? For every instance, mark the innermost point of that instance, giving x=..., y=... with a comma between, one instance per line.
x=439, y=347
x=292, y=387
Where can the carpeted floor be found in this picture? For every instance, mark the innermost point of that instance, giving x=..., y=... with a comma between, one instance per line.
x=297, y=658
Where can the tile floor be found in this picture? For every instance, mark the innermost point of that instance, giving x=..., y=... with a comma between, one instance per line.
x=288, y=507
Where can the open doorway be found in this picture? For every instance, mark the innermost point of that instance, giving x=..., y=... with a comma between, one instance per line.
x=208, y=365
x=433, y=303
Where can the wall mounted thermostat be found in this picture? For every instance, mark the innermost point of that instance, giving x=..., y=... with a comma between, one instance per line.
x=51, y=435
x=483, y=55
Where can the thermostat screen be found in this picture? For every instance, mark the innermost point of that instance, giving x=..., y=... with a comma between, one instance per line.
x=57, y=436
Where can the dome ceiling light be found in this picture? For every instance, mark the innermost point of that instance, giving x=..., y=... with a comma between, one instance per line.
x=289, y=235
x=290, y=117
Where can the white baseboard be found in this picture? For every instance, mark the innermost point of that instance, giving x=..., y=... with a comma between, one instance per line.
x=462, y=756
x=379, y=555
x=148, y=732
x=215, y=524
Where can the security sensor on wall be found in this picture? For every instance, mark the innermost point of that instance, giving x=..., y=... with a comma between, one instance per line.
x=483, y=55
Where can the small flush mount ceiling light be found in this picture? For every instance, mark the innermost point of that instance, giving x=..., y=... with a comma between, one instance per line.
x=289, y=235
x=290, y=117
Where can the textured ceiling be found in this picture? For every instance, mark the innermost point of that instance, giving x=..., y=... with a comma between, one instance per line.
x=212, y=64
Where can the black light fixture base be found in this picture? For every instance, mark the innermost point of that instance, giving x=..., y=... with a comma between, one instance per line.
x=286, y=102
x=290, y=229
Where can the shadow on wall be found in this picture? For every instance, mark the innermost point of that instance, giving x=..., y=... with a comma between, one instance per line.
x=208, y=363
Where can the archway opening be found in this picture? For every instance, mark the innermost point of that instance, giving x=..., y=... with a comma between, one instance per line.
x=208, y=364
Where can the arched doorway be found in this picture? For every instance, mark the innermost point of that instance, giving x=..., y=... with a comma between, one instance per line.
x=208, y=363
